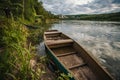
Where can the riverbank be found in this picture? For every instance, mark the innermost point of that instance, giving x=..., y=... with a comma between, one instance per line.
x=18, y=39
x=18, y=54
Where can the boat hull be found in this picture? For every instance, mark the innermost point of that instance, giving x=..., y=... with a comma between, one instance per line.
x=70, y=58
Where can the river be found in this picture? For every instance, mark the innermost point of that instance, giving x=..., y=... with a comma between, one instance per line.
x=100, y=38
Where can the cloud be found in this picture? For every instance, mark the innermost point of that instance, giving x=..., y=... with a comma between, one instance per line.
x=81, y=6
x=104, y=6
x=116, y=1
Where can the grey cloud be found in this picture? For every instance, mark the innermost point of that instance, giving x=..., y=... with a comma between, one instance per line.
x=96, y=6
x=100, y=6
x=116, y=1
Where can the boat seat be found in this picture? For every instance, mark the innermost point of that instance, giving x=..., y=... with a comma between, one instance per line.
x=59, y=43
x=55, y=38
x=55, y=42
x=51, y=33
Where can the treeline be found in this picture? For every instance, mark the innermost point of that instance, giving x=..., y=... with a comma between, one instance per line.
x=98, y=17
x=25, y=9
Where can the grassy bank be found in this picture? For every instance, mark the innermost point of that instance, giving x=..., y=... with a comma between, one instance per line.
x=18, y=58
x=18, y=55
x=19, y=37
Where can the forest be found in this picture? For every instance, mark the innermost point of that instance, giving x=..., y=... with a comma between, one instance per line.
x=95, y=17
x=23, y=9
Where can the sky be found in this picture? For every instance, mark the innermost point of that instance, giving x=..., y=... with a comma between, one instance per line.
x=69, y=7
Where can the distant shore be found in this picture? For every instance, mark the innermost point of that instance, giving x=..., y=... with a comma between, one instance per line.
x=94, y=17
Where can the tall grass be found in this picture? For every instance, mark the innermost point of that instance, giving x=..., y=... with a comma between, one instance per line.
x=36, y=35
x=17, y=56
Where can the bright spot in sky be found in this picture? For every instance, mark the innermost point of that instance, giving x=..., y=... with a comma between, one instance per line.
x=79, y=2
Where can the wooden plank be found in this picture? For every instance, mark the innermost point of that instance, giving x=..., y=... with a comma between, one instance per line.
x=62, y=50
x=82, y=75
x=78, y=74
x=65, y=54
x=59, y=45
x=78, y=65
x=56, y=42
x=88, y=73
x=50, y=33
x=55, y=38
x=51, y=30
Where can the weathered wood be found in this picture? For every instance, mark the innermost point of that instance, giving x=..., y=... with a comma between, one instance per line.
x=51, y=30
x=50, y=33
x=71, y=60
x=62, y=50
x=54, y=38
x=59, y=45
x=78, y=65
x=97, y=69
x=65, y=54
x=74, y=58
x=56, y=42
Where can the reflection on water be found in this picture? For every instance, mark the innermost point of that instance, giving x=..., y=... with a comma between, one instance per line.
x=41, y=49
x=101, y=39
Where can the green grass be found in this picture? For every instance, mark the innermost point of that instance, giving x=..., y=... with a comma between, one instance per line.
x=17, y=54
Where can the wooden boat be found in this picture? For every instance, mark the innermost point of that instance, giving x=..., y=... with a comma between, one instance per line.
x=70, y=57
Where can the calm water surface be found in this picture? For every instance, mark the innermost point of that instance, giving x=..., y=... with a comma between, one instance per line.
x=100, y=39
